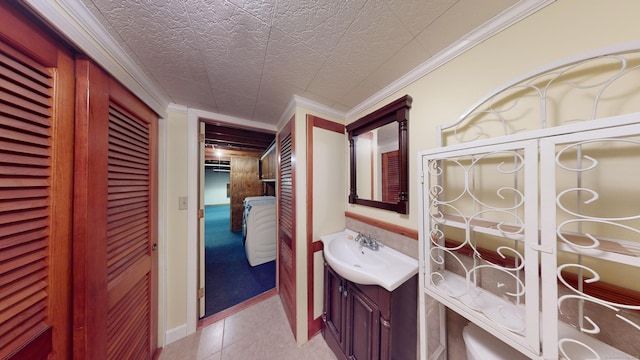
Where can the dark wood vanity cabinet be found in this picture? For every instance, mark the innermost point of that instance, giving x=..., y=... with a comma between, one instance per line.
x=367, y=322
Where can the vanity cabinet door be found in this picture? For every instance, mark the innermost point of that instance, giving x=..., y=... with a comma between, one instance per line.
x=363, y=326
x=334, y=314
x=358, y=319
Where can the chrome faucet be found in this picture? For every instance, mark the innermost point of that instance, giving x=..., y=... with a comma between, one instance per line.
x=368, y=241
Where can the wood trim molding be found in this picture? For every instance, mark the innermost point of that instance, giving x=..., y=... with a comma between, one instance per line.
x=397, y=229
x=236, y=308
x=314, y=325
x=325, y=124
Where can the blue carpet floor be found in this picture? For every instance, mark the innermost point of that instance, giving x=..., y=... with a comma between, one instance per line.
x=229, y=279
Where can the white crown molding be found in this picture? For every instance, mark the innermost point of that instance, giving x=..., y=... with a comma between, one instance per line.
x=297, y=100
x=500, y=22
x=286, y=114
x=312, y=105
x=177, y=108
x=78, y=25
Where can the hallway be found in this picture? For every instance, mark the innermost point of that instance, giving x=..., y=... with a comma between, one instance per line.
x=258, y=332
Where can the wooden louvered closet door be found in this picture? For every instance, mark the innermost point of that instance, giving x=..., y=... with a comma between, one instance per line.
x=287, y=224
x=390, y=178
x=36, y=170
x=115, y=268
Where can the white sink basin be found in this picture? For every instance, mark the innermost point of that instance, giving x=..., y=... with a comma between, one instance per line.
x=385, y=267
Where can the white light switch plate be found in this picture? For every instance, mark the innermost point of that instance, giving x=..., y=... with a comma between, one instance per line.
x=182, y=203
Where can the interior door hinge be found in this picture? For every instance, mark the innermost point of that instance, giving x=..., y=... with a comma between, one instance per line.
x=201, y=138
x=200, y=293
x=200, y=213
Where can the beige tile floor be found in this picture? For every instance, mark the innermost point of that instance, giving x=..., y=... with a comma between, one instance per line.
x=258, y=332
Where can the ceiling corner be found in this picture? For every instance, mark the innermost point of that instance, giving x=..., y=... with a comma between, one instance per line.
x=76, y=23
x=505, y=19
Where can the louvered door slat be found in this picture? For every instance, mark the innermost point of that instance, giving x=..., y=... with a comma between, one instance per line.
x=23, y=104
x=9, y=158
x=19, y=325
x=120, y=116
x=27, y=226
x=26, y=88
x=124, y=224
x=127, y=133
x=20, y=272
x=121, y=154
x=125, y=256
x=25, y=138
x=23, y=237
x=25, y=158
x=124, y=182
x=8, y=114
x=121, y=196
x=16, y=221
x=128, y=234
x=24, y=249
x=125, y=146
x=127, y=170
x=126, y=208
x=22, y=148
x=24, y=68
x=118, y=232
x=23, y=301
x=23, y=171
x=16, y=120
x=22, y=193
x=127, y=323
x=28, y=203
x=126, y=237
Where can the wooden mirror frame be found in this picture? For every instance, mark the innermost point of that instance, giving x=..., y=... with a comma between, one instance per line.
x=395, y=111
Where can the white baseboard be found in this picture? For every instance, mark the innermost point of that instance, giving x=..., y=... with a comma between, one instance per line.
x=175, y=334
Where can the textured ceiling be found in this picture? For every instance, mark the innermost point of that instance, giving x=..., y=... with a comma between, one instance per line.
x=247, y=58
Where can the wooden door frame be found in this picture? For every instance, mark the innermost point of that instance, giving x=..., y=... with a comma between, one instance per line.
x=194, y=116
x=314, y=325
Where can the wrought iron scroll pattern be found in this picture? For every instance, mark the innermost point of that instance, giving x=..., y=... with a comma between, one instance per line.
x=499, y=210
x=503, y=113
x=583, y=231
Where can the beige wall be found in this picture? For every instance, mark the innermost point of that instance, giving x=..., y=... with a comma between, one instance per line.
x=176, y=225
x=301, y=215
x=562, y=29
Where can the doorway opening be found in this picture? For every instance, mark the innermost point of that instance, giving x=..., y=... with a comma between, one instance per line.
x=230, y=173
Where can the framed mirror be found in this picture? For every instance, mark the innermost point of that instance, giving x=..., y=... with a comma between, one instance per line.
x=378, y=161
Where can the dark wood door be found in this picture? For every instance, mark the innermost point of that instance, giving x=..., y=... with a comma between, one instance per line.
x=287, y=223
x=334, y=308
x=363, y=326
x=115, y=268
x=36, y=172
